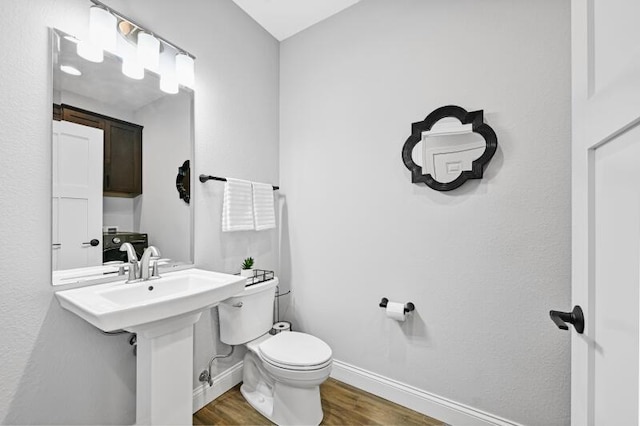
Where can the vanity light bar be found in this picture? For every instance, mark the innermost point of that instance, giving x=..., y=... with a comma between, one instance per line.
x=134, y=23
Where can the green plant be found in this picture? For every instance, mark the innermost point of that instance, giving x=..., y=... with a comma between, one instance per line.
x=248, y=263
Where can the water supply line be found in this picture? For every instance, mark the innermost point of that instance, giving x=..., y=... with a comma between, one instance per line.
x=205, y=376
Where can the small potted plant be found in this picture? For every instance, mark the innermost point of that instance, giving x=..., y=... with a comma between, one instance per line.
x=247, y=267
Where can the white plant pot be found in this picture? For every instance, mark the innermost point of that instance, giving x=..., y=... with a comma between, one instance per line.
x=246, y=273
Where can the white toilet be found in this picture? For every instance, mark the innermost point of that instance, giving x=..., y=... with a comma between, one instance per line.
x=281, y=373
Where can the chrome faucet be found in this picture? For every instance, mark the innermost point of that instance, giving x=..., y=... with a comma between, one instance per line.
x=151, y=254
x=132, y=257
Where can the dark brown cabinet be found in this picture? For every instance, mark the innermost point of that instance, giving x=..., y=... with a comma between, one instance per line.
x=122, y=150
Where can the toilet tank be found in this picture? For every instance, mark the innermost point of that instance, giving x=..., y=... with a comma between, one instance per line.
x=248, y=315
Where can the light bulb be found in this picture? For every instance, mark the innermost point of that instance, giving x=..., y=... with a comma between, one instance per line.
x=168, y=76
x=168, y=85
x=148, y=50
x=102, y=28
x=131, y=66
x=185, y=69
x=89, y=51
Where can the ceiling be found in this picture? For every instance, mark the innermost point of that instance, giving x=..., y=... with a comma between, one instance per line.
x=284, y=18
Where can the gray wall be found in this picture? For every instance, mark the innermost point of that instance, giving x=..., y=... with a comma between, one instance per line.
x=54, y=367
x=483, y=263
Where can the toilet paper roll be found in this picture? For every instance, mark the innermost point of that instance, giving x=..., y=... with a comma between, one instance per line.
x=281, y=326
x=395, y=311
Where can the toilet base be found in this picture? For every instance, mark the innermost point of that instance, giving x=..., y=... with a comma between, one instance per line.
x=261, y=402
x=282, y=403
x=296, y=406
x=291, y=406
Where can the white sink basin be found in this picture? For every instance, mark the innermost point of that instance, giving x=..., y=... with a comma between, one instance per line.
x=116, y=306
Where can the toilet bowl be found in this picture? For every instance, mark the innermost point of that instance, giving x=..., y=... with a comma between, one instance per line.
x=281, y=373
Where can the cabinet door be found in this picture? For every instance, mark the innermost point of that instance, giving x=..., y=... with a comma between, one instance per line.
x=123, y=159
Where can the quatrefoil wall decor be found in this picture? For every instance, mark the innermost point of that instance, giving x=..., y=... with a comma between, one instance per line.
x=455, y=158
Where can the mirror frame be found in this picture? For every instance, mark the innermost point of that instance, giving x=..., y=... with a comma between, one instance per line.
x=476, y=119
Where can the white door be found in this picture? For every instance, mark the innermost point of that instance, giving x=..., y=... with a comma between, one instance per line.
x=77, y=196
x=606, y=210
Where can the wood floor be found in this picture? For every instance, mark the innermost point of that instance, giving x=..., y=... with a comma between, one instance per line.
x=342, y=405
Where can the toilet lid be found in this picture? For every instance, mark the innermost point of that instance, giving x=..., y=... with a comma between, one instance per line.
x=295, y=349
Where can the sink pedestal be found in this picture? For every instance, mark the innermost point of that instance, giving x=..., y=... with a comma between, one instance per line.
x=162, y=313
x=164, y=377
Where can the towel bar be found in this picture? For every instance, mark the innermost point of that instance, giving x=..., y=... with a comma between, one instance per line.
x=204, y=178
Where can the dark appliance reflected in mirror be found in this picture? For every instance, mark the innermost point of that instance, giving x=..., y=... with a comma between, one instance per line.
x=113, y=241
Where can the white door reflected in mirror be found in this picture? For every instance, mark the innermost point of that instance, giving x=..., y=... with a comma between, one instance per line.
x=76, y=196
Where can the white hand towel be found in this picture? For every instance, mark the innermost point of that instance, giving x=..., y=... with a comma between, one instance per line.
x=237, y=206
x=263, y=207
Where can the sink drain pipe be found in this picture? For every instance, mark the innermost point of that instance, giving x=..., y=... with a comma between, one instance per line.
x=133, y=340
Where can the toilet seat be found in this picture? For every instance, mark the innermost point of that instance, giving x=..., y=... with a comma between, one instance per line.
x=296, y=368
x=295, y=351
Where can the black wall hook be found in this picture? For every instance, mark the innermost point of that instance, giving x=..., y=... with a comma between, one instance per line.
x=408, y=307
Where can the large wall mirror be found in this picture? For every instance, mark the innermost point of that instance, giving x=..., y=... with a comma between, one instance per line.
x=118, y=144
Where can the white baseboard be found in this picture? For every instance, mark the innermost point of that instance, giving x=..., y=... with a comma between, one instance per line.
x=204, y=394
x=435, y=406
x=444, y=409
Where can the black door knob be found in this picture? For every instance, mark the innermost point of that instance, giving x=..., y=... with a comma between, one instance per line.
x=92, y=243
x=575, y=317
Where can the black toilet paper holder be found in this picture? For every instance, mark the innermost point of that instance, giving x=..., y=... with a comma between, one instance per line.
x=408, y=307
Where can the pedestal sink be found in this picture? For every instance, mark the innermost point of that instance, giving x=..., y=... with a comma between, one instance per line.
x=162, y=313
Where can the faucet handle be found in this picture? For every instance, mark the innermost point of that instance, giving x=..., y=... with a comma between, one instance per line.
x=154, y=267
x=134, y=275
x=149, y=259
